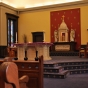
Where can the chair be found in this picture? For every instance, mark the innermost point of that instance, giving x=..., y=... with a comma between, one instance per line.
x=11, y=51
x=83, y=51
x=86, y=50
x=9, y=75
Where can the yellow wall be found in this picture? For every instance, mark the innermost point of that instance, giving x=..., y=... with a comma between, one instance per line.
x=84, y=24
x=39, y=20
x=35, y=21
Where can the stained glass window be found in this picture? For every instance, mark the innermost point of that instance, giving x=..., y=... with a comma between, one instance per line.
x=10, y=33
x=12, y=28
x=12, y=37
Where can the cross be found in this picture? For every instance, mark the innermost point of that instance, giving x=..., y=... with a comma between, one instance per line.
x=63, y=17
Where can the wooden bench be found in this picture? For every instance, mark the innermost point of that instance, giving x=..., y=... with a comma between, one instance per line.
x=9, y=76
x=34, y=70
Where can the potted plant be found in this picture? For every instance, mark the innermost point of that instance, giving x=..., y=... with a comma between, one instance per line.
x=25, y=38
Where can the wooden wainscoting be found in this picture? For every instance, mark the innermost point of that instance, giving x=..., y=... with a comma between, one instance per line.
x=3, y=51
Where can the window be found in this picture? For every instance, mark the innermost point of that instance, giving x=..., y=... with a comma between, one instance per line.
x=12, y=29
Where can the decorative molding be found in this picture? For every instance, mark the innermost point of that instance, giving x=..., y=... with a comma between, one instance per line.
x=8, y=6
x=84, y=2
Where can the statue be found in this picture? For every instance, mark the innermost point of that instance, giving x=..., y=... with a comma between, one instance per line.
x=56, y=36
x=72, y=35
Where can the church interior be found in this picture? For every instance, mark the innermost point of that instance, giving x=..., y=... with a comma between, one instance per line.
x=40, y=40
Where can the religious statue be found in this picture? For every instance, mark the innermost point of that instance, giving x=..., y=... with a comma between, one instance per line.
x=72, y=35
x=56, y=36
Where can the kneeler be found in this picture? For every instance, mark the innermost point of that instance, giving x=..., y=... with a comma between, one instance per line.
x=9, y=76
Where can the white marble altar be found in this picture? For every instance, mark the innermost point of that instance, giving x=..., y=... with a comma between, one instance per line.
x=41, y=47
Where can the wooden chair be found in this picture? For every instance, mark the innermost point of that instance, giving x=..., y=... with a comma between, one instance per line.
x=11, y=51
x=9, y=75
x=83, y=51
x=86, y=50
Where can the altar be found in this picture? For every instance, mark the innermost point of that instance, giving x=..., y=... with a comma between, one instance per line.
x=64, y=46
x=64, y=38
x=31, y=48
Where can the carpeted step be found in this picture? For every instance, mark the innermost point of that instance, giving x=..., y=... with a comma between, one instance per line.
x=78, y=71
x=60, y=75
x=51, y=65
x=64, y=53
x=69, y=67
x=53, y=69
x=73, y=63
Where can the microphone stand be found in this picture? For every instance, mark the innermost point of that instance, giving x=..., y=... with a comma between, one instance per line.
x=25, y=58
x=36, y=58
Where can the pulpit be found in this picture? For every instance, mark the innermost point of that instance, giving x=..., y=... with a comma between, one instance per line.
x=41, y=47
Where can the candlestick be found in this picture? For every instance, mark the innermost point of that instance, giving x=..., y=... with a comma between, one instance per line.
x=16, y=37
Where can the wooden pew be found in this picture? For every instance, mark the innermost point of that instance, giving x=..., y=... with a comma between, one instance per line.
x=9, y=75
x=83, y=51
x=34, y=70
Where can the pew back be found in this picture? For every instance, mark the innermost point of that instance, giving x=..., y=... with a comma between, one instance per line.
x=34, y=69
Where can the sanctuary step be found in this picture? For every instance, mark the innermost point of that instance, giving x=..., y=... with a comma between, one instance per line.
x=60, y=75
x=62, y=69
x=75, y=67
x=53, y=70
x=64, y=53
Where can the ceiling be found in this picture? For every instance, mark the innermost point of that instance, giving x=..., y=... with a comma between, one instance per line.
x=34, y=3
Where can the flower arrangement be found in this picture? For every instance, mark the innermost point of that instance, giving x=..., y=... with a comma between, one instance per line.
x=25, y=38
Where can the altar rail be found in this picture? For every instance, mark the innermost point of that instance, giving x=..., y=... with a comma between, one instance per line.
x=34, y=69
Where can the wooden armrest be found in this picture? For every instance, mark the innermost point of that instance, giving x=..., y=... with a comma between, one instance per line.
x=24, y=79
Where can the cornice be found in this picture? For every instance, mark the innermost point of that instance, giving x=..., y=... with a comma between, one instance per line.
x=8, y=6
x=84, y=2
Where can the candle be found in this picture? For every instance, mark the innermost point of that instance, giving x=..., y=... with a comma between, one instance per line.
x=16, y=37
